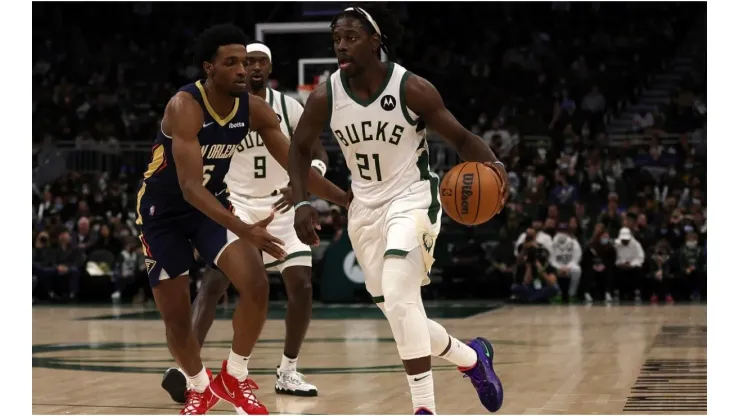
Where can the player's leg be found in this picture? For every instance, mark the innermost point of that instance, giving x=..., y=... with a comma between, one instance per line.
x=296, y=273
x=168, y=259
x=212, y=289
x=401, y=286
x=214, y=285
x=242, y=263
x=412, y=225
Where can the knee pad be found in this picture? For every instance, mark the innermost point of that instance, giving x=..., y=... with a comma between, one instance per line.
x=439, y=339
x=401, y=285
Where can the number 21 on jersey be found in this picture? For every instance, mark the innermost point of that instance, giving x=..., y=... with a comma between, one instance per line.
x=363, y=164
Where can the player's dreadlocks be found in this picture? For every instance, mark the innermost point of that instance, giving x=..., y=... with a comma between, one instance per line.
x=219, y=35
x=390, y=28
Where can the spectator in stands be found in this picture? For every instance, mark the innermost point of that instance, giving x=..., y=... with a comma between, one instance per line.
x=594, y=106
x=630, y=259
x=535, y=280
x=575, y=230
x=565, y=193
x=593, y=189
x=644, y=232
x=468, y=263
x=541, y=236
x=57, y=265
x=662, y=281
x=130, y=271
x=585, y=222
x=84, y=238
x=43, y=264
x=106, y=241
x=611, y=217
x=565, y=258
x=599, y=261
x=643, y=121
x=692, y=263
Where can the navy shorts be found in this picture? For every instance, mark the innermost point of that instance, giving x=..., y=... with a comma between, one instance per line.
x=168, y=243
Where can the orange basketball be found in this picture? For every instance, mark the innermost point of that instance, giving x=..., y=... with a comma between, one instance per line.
x=471, y=193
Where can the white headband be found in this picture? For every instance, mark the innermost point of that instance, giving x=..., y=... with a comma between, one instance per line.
x=260, y=47
x=367, y=15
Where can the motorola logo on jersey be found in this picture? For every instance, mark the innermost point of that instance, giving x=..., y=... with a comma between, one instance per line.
x=388, y=102
x=236, y=125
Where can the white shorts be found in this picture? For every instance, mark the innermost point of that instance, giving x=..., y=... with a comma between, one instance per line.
x=251, y=210
x=410, y=220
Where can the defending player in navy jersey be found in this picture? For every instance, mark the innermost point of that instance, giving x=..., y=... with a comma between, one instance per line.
x=182, y=203
x=258, y=185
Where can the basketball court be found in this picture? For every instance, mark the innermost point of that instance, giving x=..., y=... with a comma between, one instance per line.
x=551, y=359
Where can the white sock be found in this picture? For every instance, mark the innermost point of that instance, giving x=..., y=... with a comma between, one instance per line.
x=422, y=391
x=288, y=364
x=200, y=381
x=460, y=354
x=237, y=366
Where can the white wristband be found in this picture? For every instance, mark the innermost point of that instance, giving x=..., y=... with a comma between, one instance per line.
x=320, y=166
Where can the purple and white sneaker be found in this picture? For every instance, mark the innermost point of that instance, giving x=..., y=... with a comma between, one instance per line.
x=423, y=411
x=484, y=379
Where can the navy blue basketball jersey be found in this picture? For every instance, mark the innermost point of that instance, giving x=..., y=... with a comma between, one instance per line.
x=160, y=194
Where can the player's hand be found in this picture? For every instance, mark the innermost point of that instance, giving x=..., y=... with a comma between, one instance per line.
x=286, y=200
x=257, y=234
x=500, y=171
x=306, y=224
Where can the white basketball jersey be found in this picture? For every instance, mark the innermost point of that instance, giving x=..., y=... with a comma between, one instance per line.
x=383, y=141
x=254, y=172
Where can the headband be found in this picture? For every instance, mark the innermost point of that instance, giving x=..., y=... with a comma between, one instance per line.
x=260, y=47
x=367, y=16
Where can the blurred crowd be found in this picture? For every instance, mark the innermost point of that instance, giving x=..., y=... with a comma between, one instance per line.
x=595, y=214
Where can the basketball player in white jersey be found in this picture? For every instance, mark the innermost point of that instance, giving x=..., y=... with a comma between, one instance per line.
x=257, y=186
x=378, y=113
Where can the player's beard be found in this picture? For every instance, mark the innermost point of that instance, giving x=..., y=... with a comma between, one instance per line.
x=256, y=85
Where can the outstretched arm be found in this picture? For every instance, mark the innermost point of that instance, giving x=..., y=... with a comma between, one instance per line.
x=262, y=119
x=423, y=99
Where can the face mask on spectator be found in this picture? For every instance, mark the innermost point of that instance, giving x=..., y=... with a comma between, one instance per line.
x=604, y=240
x=691, y=244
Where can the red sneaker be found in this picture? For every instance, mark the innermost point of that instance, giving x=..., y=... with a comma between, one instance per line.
x=654, y=299
x=669, y=299
x=239, y=394
x=198, y=403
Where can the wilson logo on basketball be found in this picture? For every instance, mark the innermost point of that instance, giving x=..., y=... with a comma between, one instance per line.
x=467, y=191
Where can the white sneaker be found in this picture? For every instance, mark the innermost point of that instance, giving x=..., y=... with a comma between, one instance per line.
x=608, y=297
x=293, y=383
x=115, y=296
x=588, y=297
